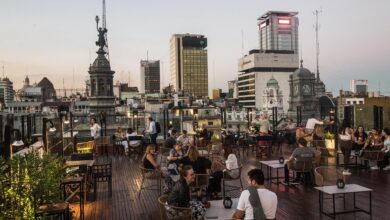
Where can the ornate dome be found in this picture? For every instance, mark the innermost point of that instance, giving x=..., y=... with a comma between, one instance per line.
x=302, y=72
x=101, y=62
x=272, y=82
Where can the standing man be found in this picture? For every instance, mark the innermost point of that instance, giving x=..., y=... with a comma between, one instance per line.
x=256, y=202
x=152, y=131
x=311, y=123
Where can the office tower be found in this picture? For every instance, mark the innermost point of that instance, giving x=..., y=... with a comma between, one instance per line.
x=6, y=91
x=150, y=76
x=188, y=64
x=359, y=86
x=278, y=31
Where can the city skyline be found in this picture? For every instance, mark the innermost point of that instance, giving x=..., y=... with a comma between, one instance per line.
x=352, y=38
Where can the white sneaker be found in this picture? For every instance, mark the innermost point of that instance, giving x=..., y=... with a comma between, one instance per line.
x=387, y=167
x=374, y=168
x=346, y=172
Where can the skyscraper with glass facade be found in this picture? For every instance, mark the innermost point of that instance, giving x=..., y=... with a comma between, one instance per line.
x=278, y=31
x=150, y=76
x=188, y=64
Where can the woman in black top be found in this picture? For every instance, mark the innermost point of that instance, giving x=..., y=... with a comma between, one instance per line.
x=180, y=195
x=360, y=138
x=200, y=164
x=148, y=160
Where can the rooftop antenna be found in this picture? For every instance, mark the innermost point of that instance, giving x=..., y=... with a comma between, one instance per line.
x=242, y=42
x=316, y=27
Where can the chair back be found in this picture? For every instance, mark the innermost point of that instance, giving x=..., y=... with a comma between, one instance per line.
x=102, y=172
x=150, y=173
x=168, y=212
x=201, y=181
x=317, y=158
x=135, y=138
x=375, y=155
x=318, y=143
x=233, y=174
x=302, y=166
x=327, y=175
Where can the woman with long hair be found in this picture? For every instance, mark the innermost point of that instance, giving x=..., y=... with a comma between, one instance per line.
x=360, y=138
x=201, y=165
x=346, y=136
x=149, y=160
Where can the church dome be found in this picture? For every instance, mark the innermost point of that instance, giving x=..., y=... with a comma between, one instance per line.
x=302, y=72
x=272, y=82
x=101, y=62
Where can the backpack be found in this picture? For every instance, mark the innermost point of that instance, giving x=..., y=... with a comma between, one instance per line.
x=158, y=127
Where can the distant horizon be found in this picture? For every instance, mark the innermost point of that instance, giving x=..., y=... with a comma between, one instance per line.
x=57, y=39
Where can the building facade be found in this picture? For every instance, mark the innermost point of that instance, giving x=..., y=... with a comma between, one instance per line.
x=188, y=64
x=7, y=92
x=278, y=31
x=255, y=71
x=150, y=76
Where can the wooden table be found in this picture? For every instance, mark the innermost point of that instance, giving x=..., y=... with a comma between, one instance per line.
x=348, y=189
x=74, y=163
x=217, y=211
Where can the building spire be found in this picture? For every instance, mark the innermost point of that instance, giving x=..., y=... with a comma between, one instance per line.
x=301, y=63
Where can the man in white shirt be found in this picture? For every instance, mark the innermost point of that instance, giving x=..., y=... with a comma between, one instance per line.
x=152, y=131
x=268, y=199
x=311, y=123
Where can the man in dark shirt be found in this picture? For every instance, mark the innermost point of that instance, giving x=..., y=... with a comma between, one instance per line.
x=180, y=195
x=302, y=153
x=171, y=141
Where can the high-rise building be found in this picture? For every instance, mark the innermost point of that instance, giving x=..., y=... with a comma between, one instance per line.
x=6, y=91
x=150, y=76
x=359, y=86
x=188, y=64
x=278, y=31
x=276, y=59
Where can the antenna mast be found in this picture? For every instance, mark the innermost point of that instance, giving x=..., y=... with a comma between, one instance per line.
x=105, y=28
x=316, y=27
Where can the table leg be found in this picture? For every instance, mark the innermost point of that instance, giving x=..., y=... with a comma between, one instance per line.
x=277, y=176
x=334, y=206
x=320, y=200
x=370, y=205
x=354, y=200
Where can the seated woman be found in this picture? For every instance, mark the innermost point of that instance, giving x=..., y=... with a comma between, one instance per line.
x=373, y=142
x=149, y=161
x=121, y=136
x=176, y=154
x=200, y=164
x=360, y=139
x=230, y=164
x=180, y=195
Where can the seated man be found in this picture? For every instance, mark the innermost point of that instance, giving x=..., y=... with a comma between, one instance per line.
x=250, y=202
x=302, y=153
x=171, y=141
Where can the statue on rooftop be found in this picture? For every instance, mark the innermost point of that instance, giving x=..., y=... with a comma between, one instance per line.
x=102, y=31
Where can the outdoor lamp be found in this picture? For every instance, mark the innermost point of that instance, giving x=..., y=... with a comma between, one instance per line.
x=227, y=202
x=75, y=120
x=52, y=128
x=66, y=121
x=340, y=183
x=281, y=160
x=18, y=139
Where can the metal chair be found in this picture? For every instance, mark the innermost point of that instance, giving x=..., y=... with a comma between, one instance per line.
x=164, y=153
x=138, y=149
x=303, y=166
x=229, y=176
x=150, y=174
x=102, y=173
x=201, y=182
x=169, y=212
x=118, y=148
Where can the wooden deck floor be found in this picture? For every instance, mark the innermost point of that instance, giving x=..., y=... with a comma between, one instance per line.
x=293, y=202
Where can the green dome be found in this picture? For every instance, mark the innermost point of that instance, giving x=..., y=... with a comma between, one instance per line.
x=272, y=82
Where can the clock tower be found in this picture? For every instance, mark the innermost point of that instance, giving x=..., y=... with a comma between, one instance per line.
x=273, y=97
x=302, y=93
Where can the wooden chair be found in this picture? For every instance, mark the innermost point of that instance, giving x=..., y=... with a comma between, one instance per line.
x=169, y=212
x=57, y=209
x=102, y=173
x=151, y=175
x=229, y=176
x=327, y=175
x=305, y=167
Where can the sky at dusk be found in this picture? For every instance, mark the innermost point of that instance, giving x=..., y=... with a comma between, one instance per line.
x=56, y=39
